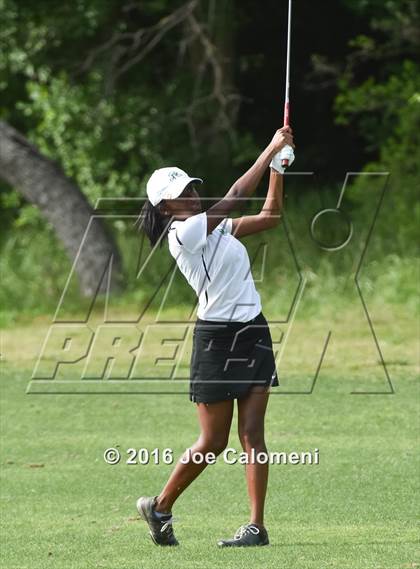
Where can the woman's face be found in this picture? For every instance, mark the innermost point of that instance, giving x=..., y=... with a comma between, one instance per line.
x=185, y=205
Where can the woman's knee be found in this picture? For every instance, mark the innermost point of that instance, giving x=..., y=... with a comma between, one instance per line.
x=251, y=436
x=215, y=443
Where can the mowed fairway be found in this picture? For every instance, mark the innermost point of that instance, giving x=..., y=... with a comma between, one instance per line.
x=64, y=507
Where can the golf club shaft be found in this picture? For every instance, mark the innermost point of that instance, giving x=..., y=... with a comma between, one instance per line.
x=286, y=119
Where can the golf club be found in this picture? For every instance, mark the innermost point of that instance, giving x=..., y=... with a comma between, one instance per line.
x=286, y=119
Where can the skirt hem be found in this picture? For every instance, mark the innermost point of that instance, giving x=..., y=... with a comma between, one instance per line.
x=218, y=399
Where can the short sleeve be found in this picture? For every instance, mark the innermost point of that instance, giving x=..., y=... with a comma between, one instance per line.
x=191, y=233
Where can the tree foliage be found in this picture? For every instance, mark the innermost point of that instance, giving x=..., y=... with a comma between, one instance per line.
x=385, y=107
x=112, y=90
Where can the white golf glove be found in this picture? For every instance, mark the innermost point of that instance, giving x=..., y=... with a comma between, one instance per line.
x=286, y=153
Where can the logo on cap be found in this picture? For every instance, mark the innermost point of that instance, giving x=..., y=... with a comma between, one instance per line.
x=173, y=175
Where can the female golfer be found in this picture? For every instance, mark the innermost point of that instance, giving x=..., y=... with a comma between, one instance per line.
x=232, y=355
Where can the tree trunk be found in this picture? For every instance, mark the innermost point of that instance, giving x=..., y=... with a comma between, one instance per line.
x=222, y=34
x=42, y=182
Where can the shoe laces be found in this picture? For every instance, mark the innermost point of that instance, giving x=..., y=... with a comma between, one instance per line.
x=244, y=530
x=167, y=524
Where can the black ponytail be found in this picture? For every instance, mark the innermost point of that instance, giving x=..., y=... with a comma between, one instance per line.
x=154, y=224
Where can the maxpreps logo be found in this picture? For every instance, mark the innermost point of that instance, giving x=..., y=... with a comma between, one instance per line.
x=142, y=351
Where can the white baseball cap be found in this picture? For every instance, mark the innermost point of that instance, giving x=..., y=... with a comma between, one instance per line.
x=167, y=184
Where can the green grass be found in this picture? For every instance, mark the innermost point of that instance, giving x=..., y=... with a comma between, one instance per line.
x=63, y=507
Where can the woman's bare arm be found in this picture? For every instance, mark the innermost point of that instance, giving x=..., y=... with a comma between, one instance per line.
x=270, y=213
x=274, y=201
x=248, y=182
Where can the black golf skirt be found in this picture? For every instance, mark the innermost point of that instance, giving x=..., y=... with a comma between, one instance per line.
x=228, y=358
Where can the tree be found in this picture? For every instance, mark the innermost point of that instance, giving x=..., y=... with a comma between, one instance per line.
x=42, y=182
x=379, y=96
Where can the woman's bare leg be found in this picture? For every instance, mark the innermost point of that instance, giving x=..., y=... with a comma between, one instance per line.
x=251, y=413
x=215, y=421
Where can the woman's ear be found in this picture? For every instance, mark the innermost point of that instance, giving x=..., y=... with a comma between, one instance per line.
x=163, y=210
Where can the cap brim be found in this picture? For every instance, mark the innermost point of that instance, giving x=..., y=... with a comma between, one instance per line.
x=177, y=187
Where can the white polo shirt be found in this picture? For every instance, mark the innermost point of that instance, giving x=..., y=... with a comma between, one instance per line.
x=217, y=267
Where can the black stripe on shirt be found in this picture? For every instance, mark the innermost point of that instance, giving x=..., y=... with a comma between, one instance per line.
x=177, y=238
x=176, y=235
x=207, y=274
x=205, y=268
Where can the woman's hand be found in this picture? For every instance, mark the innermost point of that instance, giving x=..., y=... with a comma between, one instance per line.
x=247, y=183
x=282, y=137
